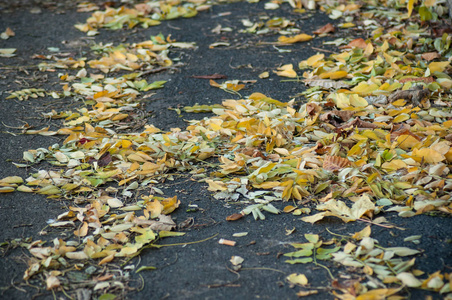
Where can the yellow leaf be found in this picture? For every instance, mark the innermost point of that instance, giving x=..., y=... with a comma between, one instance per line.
x=107, y=259
x=314, y=59
x=267, y=185
x=24, y=189
x=369, y=50
x=377, y=294
x=11, y=180
x=342, y=101
x=314, y=218
x=347, y=25
x=169, y=204
x=155, y=208
x=264, y=75
x=364, y=89
x=216, y=185
x=362, y=234
x=394, y=165
x=295, y=39
x=400, y=102
x=401, y=118
x=438, y=66
x=299, y=279
x=429, y=156
x=286, y=71
x=406, y=142
x=6, y=189
x=358, y=101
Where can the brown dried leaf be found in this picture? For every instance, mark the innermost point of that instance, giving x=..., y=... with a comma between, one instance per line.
x=428, y=56
x=416, y=79
x=415, y=95
x=333, y=116
x=402, y=129
x=335, y=163
x=234, y=217
x=356, y=43
x=312, y=108
x=104, y=160
x=325, y=29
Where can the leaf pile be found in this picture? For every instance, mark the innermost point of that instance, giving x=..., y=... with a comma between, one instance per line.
x=375, y=134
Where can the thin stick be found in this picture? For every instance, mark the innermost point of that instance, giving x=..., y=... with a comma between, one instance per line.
x=324, y=50
x=157, y=70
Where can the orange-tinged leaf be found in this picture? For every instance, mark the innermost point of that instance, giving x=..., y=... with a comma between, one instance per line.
x=169, y=204
x=289, y=208
x=155, y=208
x=107, y=259
x=234, y=217
x=325, y=29
x=448, y=156
x=357, y=43
x=362, y=234
x=83, y=231
x=6, y=189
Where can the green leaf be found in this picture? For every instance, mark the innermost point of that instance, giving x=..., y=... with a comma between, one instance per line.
x=325, y=254
x=107, y=297
x=145, y=268
x=313, y=238
x=271, y=209
x=165, y=233
x=299, y=253
x=299, y=260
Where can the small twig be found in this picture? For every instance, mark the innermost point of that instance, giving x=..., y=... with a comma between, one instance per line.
x=22, y=225
x=265, y=269
x=187, y=243
x=324, y=50
x=161, y=69
x=381, y=225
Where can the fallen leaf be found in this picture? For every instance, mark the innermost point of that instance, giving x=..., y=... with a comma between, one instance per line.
x=325, y=29
x=295, y=39
x=297, y=279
